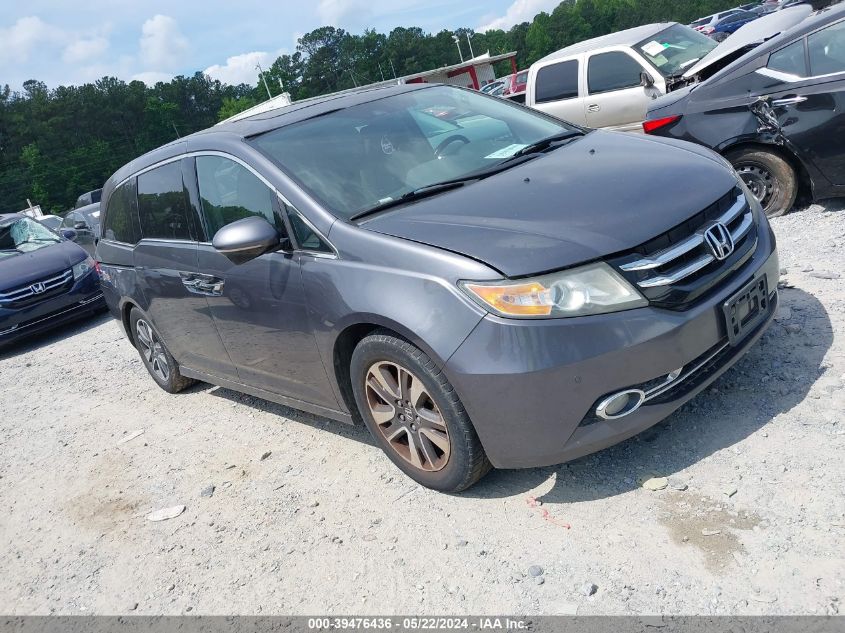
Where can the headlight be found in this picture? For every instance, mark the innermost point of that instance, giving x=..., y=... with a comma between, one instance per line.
x=83, y=268
x=591, y=289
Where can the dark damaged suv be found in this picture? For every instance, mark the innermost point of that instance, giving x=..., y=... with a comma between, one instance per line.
x=479, y=283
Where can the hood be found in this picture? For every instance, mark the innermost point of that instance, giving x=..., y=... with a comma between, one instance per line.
x=753, y=34
x=600, y=194
x=19, y=270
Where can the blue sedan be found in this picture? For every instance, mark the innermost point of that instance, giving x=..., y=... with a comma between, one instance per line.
x=728, y=25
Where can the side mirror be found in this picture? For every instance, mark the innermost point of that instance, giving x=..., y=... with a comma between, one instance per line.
x=246, y=239
x=646, y=80
x=80, y=226
x=69, y=234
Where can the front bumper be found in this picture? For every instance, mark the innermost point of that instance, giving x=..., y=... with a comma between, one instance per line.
x=83, y=297
x=531, y=386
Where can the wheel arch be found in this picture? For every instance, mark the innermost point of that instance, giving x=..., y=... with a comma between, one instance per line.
x=805, y=182
x=354, y=332
x=125, y=310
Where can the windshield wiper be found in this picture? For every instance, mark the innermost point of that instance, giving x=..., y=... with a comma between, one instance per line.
x=416, y=194
x=443, y=185
x=545, y=143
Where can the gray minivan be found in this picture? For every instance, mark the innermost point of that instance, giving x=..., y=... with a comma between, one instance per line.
x=478, y=283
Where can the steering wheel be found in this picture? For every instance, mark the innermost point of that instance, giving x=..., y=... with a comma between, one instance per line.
x=455, y=138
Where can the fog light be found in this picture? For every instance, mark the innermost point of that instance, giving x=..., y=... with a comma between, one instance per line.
x=620, y=404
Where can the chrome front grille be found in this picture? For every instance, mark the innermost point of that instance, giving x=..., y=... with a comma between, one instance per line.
x=42, y=287
x=738, y=216
x=674, y=269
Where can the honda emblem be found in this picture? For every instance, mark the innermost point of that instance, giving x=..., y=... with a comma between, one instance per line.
x=37, y=288
x=720, y=240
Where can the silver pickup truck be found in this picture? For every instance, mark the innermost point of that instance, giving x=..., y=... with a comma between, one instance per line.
x=609, y=81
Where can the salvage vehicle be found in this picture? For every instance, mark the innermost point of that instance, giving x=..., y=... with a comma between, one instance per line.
x=88, y=198
x=518, y=298
x=52, y=222
x=86, y=222
x=45, y=279
x=777, y=113
x=609, y=81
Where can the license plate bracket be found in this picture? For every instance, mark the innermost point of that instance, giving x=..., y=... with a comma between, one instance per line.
x=746, y=309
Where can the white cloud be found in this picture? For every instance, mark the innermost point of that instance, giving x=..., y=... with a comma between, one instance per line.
x=85, y=50
x=25, y=37
x=518, y=12
x=151, y=77
x=240, y=69
x=336, y=12
x=162, y=43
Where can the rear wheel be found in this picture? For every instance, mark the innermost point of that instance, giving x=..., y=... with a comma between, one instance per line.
x=770, y=178
x=415, y=415
x=154, y=354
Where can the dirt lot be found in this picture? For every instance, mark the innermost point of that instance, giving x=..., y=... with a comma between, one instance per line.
x=753, y=520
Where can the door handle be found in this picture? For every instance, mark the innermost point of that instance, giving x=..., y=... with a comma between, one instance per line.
x=202, y=284
x=595, y=107
x=788, y=101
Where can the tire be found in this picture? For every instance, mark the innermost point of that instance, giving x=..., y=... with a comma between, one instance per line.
x=155, y=356
x=770, y=178
x=429, y=435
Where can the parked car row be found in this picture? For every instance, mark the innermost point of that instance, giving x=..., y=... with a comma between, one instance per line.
x=510, y=87
x=720, y=25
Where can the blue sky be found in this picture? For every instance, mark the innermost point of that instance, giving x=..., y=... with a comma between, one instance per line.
x=60, y=42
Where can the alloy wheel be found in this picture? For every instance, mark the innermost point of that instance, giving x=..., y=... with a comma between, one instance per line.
x=760, y=182
x=152, y=350
x=406, y=415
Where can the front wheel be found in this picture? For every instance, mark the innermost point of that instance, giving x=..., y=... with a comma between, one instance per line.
x=415, y=415
x=770, y=178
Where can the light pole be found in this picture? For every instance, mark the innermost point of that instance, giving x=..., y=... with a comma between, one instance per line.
x=264, y=79
x=458, y=44
x=469, y=41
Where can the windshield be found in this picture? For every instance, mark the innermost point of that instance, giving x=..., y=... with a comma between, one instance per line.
x=363, y=156
x=21, y=235
x=675, y=49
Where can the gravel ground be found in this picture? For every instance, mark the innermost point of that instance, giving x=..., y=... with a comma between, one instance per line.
x=307, y=516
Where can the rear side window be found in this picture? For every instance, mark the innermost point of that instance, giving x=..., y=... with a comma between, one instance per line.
x=827, y=50
x=557, y=81
x=789, y=59
x=163, y=204
x=612, y=71
x=229, y=192
x=121, y=220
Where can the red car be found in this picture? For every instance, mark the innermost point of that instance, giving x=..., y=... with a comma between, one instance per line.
x=515, y=85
